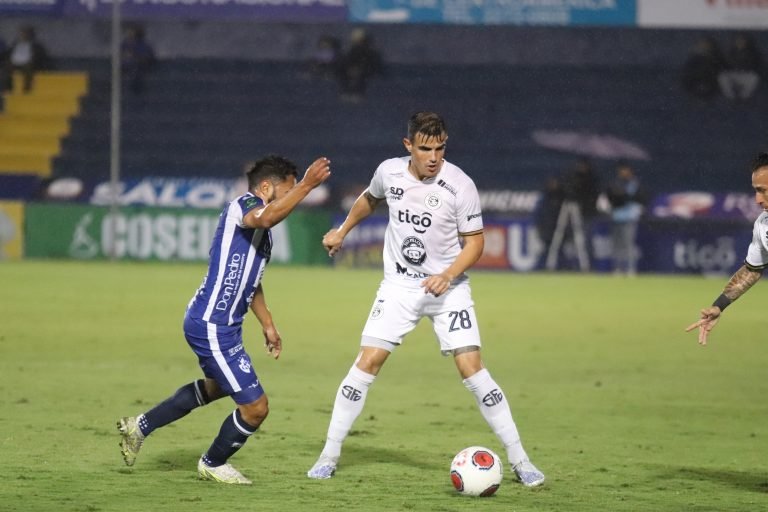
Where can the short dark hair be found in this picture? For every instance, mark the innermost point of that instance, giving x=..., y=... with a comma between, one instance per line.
x=761, y=160
x=426, y=123
x=274, y=168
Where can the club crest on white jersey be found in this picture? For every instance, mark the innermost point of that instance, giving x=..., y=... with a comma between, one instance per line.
x=433, y=201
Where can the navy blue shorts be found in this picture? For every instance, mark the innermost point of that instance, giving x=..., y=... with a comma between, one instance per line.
x=222, y=358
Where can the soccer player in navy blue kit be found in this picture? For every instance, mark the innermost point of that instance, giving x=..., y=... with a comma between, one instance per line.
x=213, y=321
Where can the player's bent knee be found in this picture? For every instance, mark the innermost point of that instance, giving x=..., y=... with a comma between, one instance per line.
x=371, y=359
x=468, y=360
x=213, y=390
x=255, y=412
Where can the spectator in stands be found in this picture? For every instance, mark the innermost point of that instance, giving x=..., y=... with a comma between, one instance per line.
x=548, y=210
x=702, y=69
x=359, y=63
x=324, y=64
x=627, y=200
x=573, y=220
x=745, y=67
x=138, y=58
x=27, y=56
x=582, y=185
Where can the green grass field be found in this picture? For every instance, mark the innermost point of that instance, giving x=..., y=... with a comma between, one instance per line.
x=619, y=407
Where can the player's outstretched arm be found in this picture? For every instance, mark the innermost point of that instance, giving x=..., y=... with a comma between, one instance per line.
x=364, y=205
x=277, y=210
x=272, y=341
x=738, y=285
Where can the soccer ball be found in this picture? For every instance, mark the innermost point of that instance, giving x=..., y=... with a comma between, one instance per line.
x=476, y=471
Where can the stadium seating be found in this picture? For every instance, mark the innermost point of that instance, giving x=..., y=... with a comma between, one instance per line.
x=32, y=124
x=201, y=117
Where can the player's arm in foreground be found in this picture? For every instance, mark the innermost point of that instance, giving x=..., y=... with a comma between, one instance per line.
x=277, y=210
x=470, y=253
x=740, y=282
x=364, y=205
x=272, y=340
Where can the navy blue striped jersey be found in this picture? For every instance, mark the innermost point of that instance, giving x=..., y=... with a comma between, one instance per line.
x=236, y=264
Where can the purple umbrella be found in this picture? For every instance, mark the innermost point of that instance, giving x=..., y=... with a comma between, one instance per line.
x=590, y=144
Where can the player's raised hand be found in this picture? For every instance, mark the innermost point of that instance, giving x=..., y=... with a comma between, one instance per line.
x=318, y=172
x=272, y=342
x=708, y=321
x=332, y=241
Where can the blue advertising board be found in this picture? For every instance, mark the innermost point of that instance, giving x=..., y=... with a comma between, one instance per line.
x=693, y=246
x=31, y=7
x=496, y=12
x=699, y=246
x=261, y=10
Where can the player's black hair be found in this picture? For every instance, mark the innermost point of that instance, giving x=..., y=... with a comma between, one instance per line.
x=274, y=168
x=427, y=123
x=761, y=160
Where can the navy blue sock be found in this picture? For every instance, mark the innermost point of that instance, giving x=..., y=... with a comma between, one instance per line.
x=185, y=399
x=232, y=436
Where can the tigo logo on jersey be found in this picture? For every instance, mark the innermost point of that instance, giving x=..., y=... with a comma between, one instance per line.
x=422, y=221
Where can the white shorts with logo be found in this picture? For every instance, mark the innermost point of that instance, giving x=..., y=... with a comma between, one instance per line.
x=397, y=310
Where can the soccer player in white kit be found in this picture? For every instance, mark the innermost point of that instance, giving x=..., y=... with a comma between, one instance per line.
x=755, y=262
x=434, y=234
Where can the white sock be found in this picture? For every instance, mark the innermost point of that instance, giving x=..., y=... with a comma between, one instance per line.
x=495, y=409
x=350, y=399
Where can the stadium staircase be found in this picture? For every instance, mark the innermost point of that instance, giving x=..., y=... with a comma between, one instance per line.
x=32, y=124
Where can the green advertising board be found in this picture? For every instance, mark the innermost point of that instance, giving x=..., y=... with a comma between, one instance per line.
x=149, y=233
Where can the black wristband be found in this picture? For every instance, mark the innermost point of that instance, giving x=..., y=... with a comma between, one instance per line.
x=722, y=302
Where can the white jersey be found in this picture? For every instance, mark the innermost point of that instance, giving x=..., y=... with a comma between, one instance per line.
x=425, y=219
x=757, y=254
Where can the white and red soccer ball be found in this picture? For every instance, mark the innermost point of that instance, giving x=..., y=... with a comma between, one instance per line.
x=476, y=471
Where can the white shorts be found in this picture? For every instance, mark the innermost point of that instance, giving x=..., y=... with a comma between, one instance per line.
x=397, y=310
